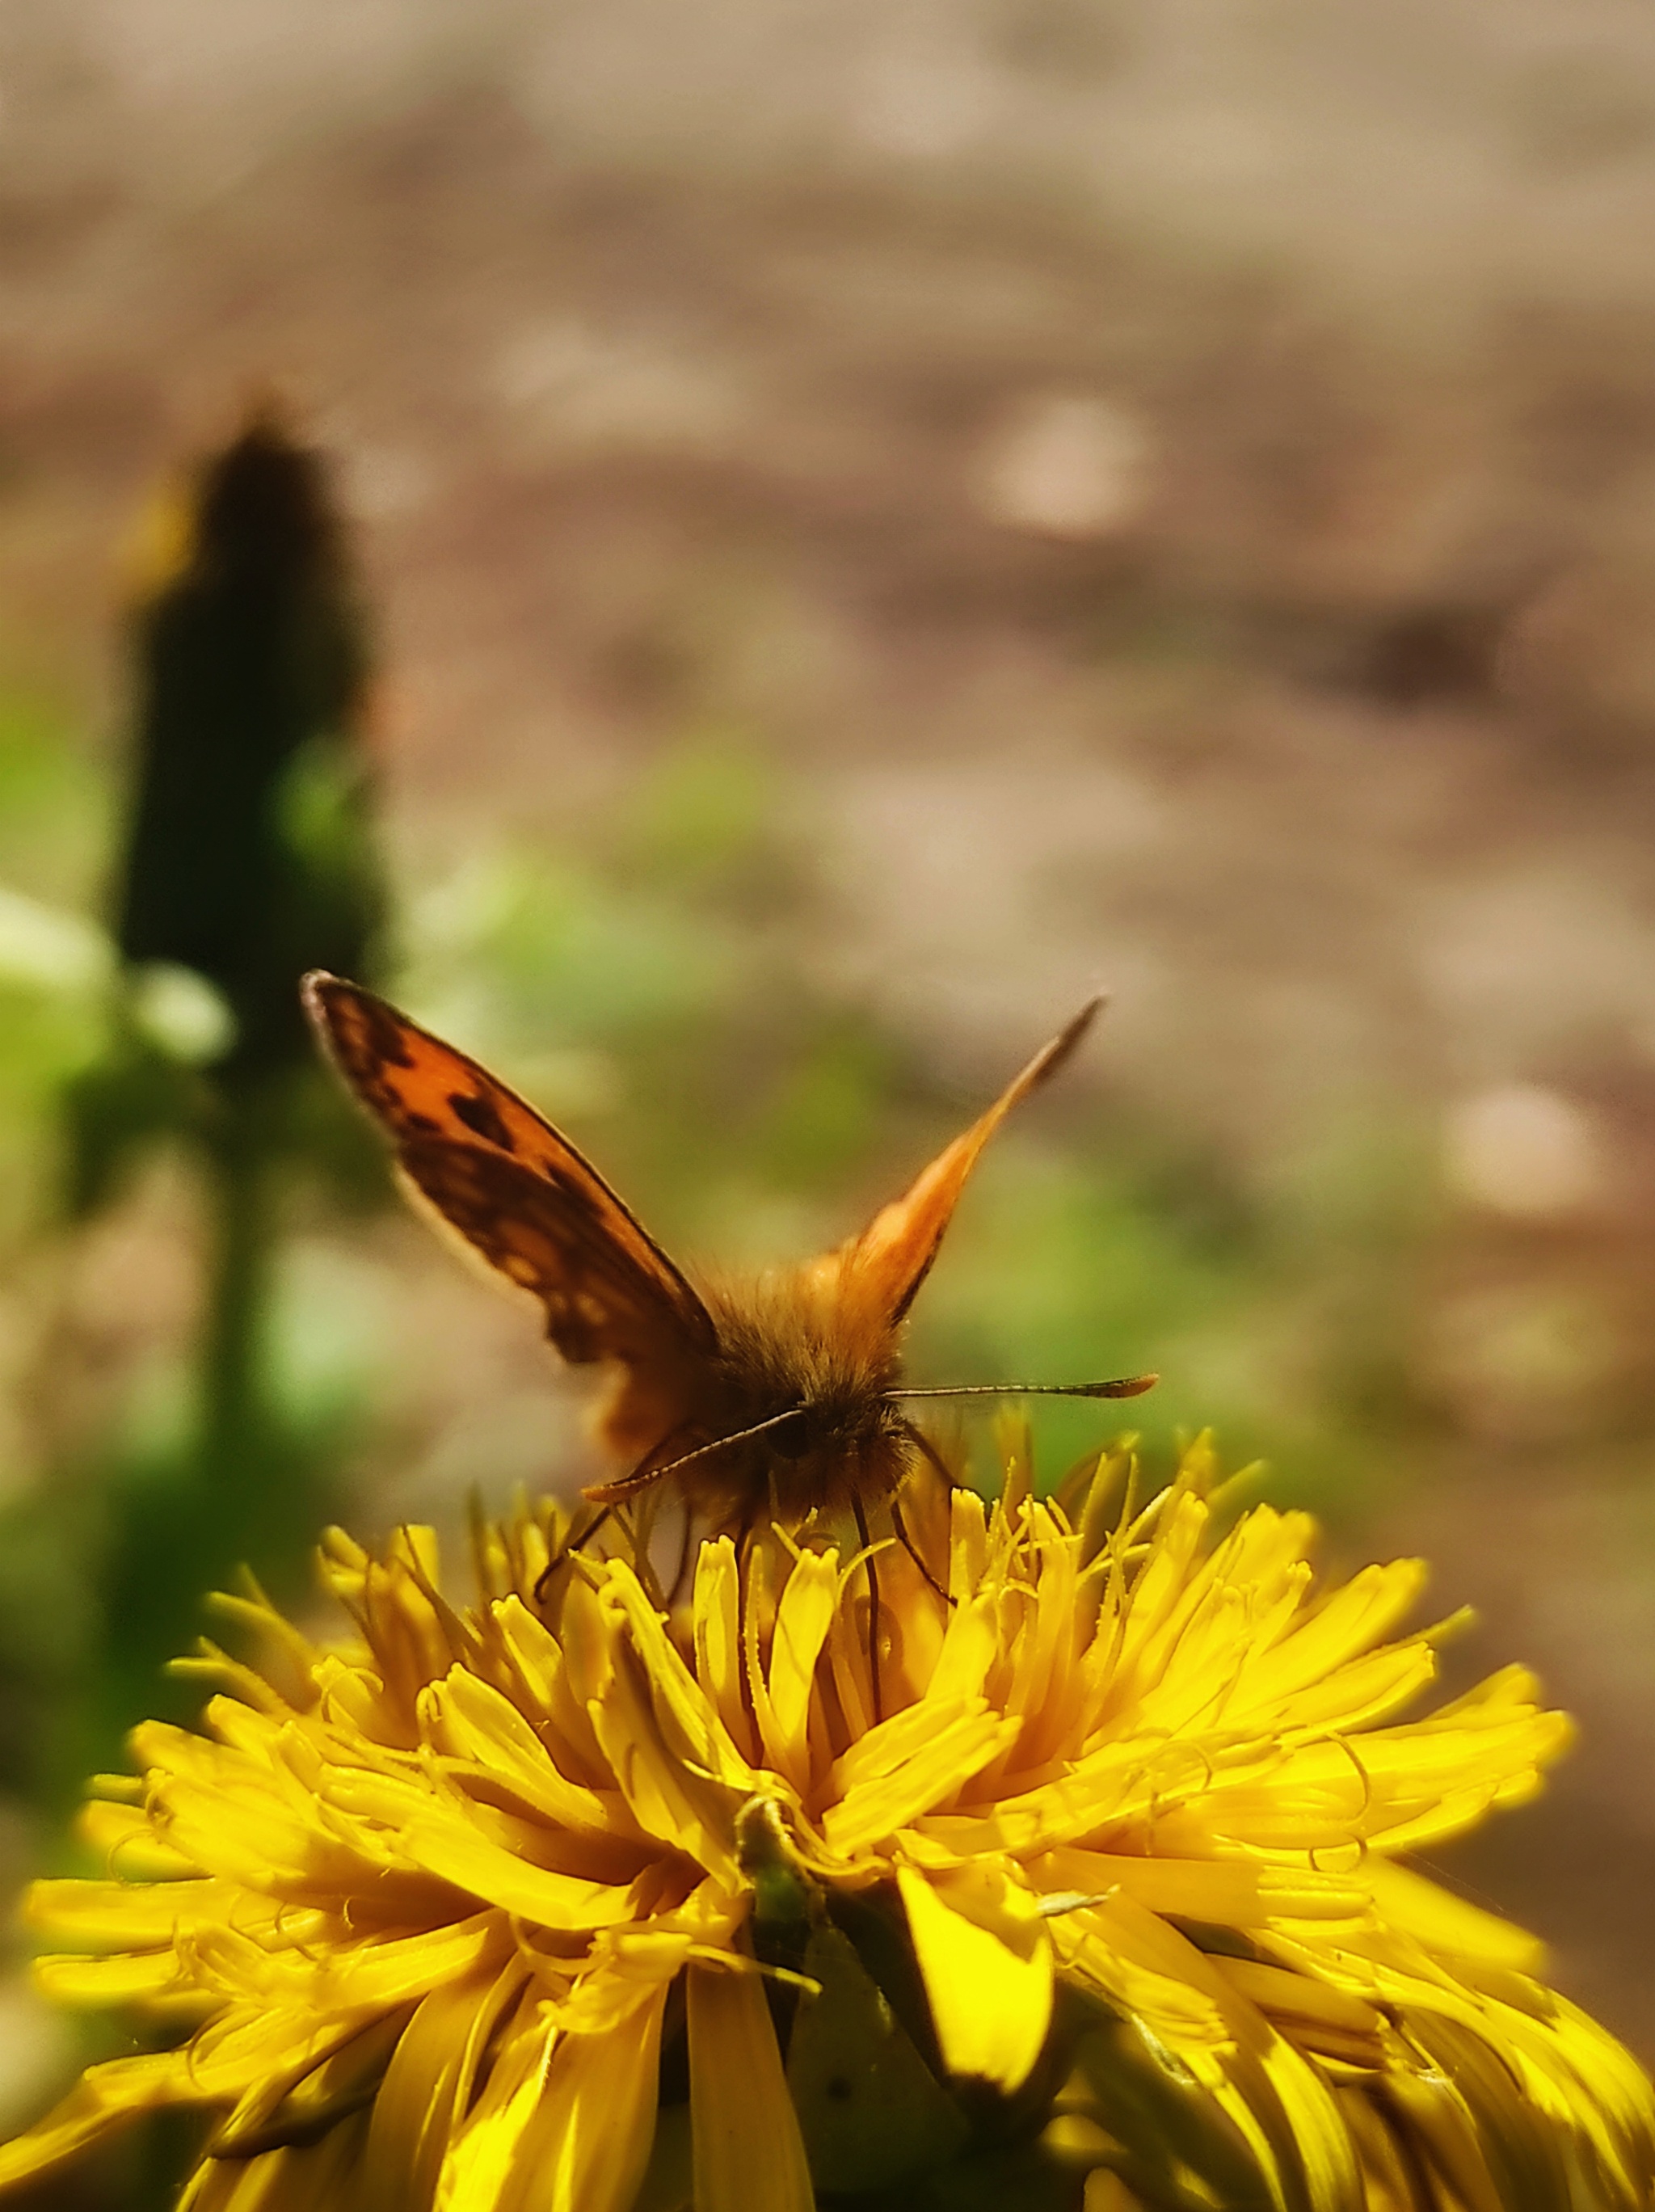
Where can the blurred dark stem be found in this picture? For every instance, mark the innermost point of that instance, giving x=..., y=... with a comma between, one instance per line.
x=234, y=1411
x=249, y=856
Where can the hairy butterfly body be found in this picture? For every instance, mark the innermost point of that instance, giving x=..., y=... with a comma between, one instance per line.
x=783, y=1392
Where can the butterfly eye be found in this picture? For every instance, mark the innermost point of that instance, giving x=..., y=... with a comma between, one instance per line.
x=794, y=1438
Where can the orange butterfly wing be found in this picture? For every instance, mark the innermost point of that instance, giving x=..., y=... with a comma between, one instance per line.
x=888, y=1262
x=518, y=1192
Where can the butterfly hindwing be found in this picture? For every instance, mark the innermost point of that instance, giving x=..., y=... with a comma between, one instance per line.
x=516, y=1191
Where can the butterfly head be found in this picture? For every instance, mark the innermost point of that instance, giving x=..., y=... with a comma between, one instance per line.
x=801, y=1384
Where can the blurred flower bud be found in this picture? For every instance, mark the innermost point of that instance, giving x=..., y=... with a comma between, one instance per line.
x=249, y=856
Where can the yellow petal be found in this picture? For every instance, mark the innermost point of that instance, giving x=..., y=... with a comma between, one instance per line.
x=587, y=2142
x=538, y=1662
x=426, y=2086
x=123, y=1977
x=921, y=1757
x=131, y=1848
x=1347, y=1622
x=1235, y=1892
x=721, y=1666
x=670, y=1799
x=1438, y=2116
x=748, y=2156
x=399, y=1967
x=1277, y=2100
x=986, y=1960
x=969, y=1645
x=968, y=1544
x=299, y=2107
x=1311, y=2013
x=128, y=1914
x=685, y=1717
x=471, y=1719
x=1449, y=1924
x=810, y=1600
x=104, y=2098
x=1107, y=2192
x=451, y=1847
x=479, y=2160
x=310, y=2177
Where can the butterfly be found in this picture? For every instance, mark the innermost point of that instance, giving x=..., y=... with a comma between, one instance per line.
x=783, y=1391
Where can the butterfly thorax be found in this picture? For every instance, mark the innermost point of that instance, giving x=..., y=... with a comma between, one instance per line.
x=789, y=1344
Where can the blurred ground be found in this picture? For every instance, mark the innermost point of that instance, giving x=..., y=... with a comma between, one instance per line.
x=1172, y=488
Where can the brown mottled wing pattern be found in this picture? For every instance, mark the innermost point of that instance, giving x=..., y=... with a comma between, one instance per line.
x=519, y=1194
x=892, y=1257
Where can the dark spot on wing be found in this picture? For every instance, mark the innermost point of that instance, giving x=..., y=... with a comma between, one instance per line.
x=482, y=1116
x=381, y=1032
x=424, y=1124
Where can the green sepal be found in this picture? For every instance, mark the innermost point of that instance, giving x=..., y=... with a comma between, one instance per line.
x=870, y=2109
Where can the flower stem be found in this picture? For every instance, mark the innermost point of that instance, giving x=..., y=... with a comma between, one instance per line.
x=235, y=1413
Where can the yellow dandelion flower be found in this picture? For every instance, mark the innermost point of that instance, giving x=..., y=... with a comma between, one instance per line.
x=590, y=1904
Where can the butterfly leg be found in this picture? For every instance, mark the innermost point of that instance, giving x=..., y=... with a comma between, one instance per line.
x=907, y=1541
x=544, y=1581
x=872, y=1573
x=916, y=1435
x=685, y=1550
x=743, y=1530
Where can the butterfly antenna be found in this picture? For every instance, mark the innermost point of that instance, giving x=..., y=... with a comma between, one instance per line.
x=1124, y=1386
x=646, y=1471
x=736, y=1436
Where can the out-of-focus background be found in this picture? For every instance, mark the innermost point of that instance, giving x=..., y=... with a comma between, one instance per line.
x=868, y=522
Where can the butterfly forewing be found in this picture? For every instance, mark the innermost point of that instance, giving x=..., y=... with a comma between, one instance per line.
x=516, y=1190
x=885, y=1265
